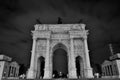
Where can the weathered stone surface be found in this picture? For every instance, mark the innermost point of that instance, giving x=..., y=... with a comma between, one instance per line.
x=70, y=37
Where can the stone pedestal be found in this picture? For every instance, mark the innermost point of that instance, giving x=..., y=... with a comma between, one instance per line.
x=31, y=74
x=88, y=73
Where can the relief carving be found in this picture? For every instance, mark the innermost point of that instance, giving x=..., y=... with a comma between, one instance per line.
x=41, y=45
x=68, y=37
x=78, y=46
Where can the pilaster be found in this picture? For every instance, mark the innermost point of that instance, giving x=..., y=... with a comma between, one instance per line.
x=72, y=72
x=31, y=72
x=51, y=64
x=47, y=65
x=88, y=70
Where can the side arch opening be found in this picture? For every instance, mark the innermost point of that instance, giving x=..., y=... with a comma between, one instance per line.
x=40, y=67
x=79, y=66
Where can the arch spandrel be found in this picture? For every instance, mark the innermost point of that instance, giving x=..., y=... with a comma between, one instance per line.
x=41, y=47
x=57, y=41
x=59, y=45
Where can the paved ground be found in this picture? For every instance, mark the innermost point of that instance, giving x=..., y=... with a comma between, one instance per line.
x=69, y=79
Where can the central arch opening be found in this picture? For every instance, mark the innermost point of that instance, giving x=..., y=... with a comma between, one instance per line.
x=60, y=63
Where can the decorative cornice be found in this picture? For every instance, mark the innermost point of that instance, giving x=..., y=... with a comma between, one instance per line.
x=59, y=27
x=61, y=31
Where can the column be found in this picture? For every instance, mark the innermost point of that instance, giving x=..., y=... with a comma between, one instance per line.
x=47, y=66
x=104, y=71
x=13, y=71
x=31, y=72
x=110, y=74
x=88, y=69
x=72, y=72
x=107, y=70
x=17, y=72
x=9, y=71
x=113, y=70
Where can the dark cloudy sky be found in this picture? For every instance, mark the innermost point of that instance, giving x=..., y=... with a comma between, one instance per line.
x=17, y=18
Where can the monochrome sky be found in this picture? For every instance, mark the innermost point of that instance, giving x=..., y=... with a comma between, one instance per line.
x=17, y=18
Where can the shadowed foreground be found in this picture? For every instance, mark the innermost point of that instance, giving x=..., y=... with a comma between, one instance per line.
x=69, y=79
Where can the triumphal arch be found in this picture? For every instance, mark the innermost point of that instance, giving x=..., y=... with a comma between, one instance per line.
x=53, y=42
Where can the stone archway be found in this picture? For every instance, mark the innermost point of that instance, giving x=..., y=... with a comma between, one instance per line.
x=60, y=61
x=71, y=38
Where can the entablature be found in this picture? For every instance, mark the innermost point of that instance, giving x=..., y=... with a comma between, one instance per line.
x=59, y=27
x=78, y=34
x=60, y=36
x=41, y=34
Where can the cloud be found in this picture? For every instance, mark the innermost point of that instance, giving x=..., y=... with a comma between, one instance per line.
x=17, y=18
